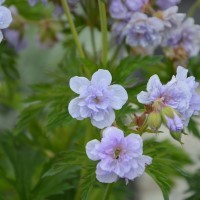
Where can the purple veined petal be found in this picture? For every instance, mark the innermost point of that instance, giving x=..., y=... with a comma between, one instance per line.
x=121, y=96
x=131, y=175
x=1, y=36
x=145, y=160
x=164, y=4
x=101, y=76
x=76, y=83
x=143, y=98
x=136, y=5
x=117, y=9
x=109, y=118
x=98, y=116
x=154, y=82
x=181, y=73
x=135, y=144
x=84, y=112
x=113, y=132
x=5, y=17
x=91, y=150
x=157, y=23
x=104, y=176
x=74, y=109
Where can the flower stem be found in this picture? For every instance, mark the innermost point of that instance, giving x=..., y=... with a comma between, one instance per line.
x=108, y=191
x=102, y=11
x=93, y=42
x=194, y=8
x=84, y=165
x=72, y=27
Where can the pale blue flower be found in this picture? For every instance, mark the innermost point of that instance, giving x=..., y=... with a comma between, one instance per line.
x=179, y=93
x=171, y=18
x=119, y=156
x=164, y=4
x=97, y=98
x=143, y=31
x=185, y=36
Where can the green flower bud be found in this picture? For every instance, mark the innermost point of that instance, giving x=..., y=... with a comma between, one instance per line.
x=167, y=111
x=177, y=136
x=154, y=120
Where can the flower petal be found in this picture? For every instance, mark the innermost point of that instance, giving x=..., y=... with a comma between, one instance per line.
x=181, y=73
x=98, y=116
x=120, y=96
x=101, y=76
x=143, y=98
x=109, y=118
x=91, y=150
x=154, y=82
x=77, y=82
x=113, y=132
x=104, y=176
x=74, y=109
x=134, y=144
x=5, y=17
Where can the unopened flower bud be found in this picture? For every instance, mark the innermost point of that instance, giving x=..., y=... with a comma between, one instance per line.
x=171, y=119
x=154, y=120
x=168, y=111
x=177, y=136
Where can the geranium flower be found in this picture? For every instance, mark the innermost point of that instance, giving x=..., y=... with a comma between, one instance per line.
x=119, y=156
x=97, y=98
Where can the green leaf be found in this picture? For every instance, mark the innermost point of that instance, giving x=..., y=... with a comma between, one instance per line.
x=194, y=186
x=124, y=73
x=24, y=159
x=52, y=184
x=167, y=163
x=193, y=127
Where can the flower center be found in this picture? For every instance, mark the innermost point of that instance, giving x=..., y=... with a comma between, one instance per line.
x=97, y=100
x=117, y=153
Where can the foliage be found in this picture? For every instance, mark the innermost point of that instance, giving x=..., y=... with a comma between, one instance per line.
x=194, y=187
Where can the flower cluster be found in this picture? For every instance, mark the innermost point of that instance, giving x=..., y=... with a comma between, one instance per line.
x=5, y=18
x=141, y=26
x=175, y=101
x=120, y=157
x=173, y=104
